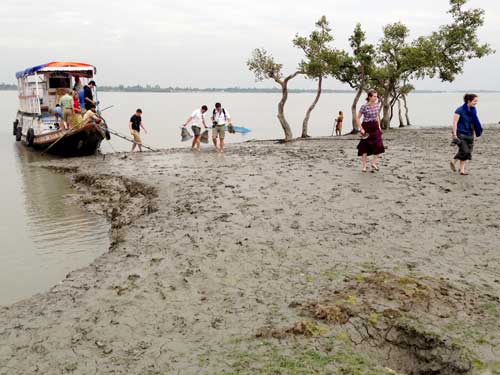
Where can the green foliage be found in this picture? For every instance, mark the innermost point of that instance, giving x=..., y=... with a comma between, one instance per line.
x=443, y=52
x=321, y=58
x=456, y=43
x=262, y=64
x=353, y=69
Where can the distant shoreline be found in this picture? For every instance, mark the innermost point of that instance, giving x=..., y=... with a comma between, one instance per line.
x=240, y=90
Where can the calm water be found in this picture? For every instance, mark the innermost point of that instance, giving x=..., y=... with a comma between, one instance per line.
x=163, y=113
x=44, y=237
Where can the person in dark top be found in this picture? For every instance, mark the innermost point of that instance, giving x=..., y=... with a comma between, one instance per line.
x=466, y=125
x=88, y=96
x=135, y=125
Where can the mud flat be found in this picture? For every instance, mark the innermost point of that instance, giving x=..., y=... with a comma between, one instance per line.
x=277, y=259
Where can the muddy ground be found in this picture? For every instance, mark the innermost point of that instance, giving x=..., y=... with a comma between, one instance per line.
x=277, y=259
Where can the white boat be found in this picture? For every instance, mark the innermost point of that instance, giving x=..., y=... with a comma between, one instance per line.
x=40, y=88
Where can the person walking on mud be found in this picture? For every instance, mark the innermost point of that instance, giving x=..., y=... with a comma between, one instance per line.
x=135, y=125
x=219, y=118
x=466, y=124
x=197, y=119
x=371, y=142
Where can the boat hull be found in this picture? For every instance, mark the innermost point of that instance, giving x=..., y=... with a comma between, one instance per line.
x=68, y=143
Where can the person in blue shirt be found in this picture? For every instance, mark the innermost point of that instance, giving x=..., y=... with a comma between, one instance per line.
x=466, y=125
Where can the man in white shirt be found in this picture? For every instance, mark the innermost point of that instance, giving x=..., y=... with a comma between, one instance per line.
x=197, y=119
x=219, y=119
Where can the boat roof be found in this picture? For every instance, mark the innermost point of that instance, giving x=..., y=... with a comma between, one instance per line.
x=57, y=66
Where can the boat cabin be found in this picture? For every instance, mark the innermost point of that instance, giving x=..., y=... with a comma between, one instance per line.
x=41, y=87
x=38, y=122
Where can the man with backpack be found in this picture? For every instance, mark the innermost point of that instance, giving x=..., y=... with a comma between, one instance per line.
x=219, y=119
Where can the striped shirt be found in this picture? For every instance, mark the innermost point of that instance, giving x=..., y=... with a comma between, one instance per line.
x=369, y=112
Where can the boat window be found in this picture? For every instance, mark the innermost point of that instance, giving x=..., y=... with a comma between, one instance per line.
x=59, y=82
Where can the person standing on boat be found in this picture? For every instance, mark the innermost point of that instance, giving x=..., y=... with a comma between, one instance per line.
x=197, y=119
x=371, y=142
x=88, y=95
x=77, y=119
x=135, y=125
x=219, y=118
x=66, y=103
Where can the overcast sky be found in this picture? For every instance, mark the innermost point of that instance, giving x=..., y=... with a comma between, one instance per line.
x=206, y=43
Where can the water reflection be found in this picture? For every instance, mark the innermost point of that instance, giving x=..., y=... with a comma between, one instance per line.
x=44, y=234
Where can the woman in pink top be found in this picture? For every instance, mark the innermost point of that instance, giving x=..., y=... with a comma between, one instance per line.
x=371, y=142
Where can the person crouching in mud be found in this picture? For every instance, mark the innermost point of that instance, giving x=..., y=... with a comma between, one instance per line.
x=197, y=119
x=466, y=124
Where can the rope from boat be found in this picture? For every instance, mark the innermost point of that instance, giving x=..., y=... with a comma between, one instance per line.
x=114, y=132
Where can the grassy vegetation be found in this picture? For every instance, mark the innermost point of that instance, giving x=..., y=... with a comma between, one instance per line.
x=268, y=358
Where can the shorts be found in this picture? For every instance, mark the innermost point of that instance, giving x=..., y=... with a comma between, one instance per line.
x=218, y=130
x=67, y=114
x=137, y=137
x=196, y=130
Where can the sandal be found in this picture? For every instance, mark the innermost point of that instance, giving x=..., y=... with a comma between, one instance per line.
x=374, y=167
x=363, y=170
x=464, y=174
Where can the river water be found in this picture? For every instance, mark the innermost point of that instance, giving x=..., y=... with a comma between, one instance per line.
x=44, y=236
x=163, y=113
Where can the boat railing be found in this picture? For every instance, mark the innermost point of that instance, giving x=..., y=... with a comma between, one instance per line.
x=29, y=104
x=29, y=98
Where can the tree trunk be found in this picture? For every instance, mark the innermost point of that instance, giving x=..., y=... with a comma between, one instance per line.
x=281, y=106
x=386, y=110
x=356, y=100
x=394, y=100
x=400, y=115
x=310, y=109
x=408, y=123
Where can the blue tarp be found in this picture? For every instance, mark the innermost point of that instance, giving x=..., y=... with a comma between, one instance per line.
x=30, y=71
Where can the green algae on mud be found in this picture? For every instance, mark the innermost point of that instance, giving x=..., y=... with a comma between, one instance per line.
x=407, y=323
x=268, y=357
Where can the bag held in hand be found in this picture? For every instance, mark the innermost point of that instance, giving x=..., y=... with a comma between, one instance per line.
x=185, y=135
x=204, y=137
